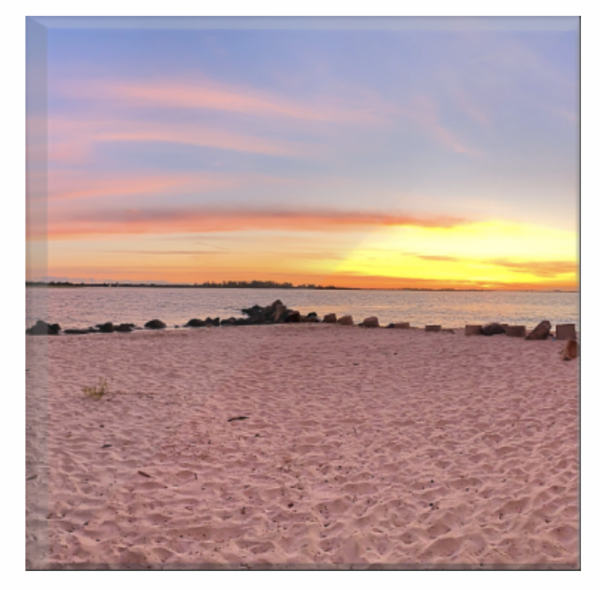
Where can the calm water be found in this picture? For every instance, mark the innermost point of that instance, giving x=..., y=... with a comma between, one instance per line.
x=83, y=307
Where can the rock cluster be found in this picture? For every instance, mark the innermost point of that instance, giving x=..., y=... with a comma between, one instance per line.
x=275, y=313
x=41, y=328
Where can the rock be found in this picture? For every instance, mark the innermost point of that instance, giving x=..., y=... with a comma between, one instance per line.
x=228, y=322
x=401, y=325
x=433, y=328
x=472, y=329
x=280, y=311
x=371, y=322
x=493, y=328
x=155, y=325
x=92, y=330
x=540, y=332
x=41, y=328
x=309, y=319
x=293, y=317
x=566, y=332
x=312, y=314
x=75, y=331
x=330, y=318
x=345, y=320
x=516, y=331
x=124, y=328
x=570, y=351
x=261, y=315
x=106, y=328
x=212, y=322
x=241, y=322
x=195, y=323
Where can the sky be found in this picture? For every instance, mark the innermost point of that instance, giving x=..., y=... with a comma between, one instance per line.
x=394, y=155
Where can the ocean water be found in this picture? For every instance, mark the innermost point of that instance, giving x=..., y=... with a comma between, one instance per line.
x=74, y=307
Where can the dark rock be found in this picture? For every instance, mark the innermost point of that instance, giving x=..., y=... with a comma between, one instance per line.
x=280, y=312
x=433, y=328
x=212, y=322
x=566, y=332
x=41, y=328
x=107, y=327
x=493, y=328
x=155, y=325
x=311, y=319
x=195, y=323
x=472, y=329
x=312, y=314
x=345, y=320
x=228, y=322
x=241, y=322
x=124, y=328
x=276, y=312
x=371, y=322
x=330, y=318
x=92, y=330
x=75, y=331
x=293, y=317
x=540, y=332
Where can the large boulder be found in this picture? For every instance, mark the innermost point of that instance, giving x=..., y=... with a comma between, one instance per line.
x=371, y=322
x=309, y=319
x=570, y=351
x=261, y=315
x=155, y=325
x=330, y=318
x=540, y=332
x=106, y=328
x=345, y=320
x=566, y=332
x=41, y=328
x=195, y=323
x=280, y=312
x=472, y=329
x=293, y=317
x=493, y=328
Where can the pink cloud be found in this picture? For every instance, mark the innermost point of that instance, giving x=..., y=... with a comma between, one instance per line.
x=72, y=140
x=89, y=185
x=425, y=113
x=66, y=224
x=208, y=94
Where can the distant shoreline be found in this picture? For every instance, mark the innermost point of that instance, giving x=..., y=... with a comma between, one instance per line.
x=266, y=285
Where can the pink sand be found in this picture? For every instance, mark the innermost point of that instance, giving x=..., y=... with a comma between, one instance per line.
x=362, y=446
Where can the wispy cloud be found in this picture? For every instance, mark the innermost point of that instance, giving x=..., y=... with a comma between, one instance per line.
x=545, y=268
x=425, y=112
x=65, y=225
x=211, y=95
x=94, y=185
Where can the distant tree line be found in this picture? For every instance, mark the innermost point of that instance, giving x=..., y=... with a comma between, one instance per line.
x=205, y=285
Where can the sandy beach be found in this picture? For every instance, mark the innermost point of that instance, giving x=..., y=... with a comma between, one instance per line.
x=370, y=447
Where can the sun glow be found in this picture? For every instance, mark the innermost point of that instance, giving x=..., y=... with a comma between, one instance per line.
x=488, y=253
